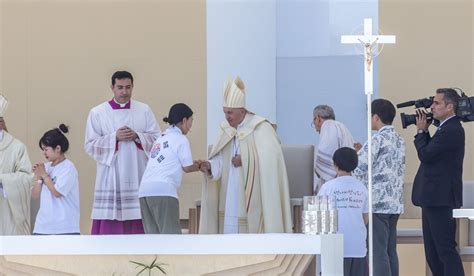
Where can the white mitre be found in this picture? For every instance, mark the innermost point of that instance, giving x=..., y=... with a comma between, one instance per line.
x=234, y=93
x=3, y=105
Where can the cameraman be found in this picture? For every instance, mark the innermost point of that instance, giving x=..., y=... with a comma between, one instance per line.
x=437, y=187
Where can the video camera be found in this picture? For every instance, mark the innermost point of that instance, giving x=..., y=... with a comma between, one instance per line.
x=465, y=110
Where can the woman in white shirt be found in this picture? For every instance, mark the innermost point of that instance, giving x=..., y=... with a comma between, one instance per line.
x=169, y=157
x=57, y=186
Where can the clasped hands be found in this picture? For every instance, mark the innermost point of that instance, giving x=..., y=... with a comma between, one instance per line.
x=39, y=171
x=205, y=167
x=126, y=134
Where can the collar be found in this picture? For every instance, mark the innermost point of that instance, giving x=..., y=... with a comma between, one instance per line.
x=243, y=122
x=115, y=105
x=385, y=127
x=174, y=128
x=445, y=120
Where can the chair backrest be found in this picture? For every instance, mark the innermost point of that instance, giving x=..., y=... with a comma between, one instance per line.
x=468, y=203
x=410, y=211
x=299, y=161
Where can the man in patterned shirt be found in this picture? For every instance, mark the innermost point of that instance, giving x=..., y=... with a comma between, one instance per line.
x=388, y=171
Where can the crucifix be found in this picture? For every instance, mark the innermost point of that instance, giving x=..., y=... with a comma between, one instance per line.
x=369, y=42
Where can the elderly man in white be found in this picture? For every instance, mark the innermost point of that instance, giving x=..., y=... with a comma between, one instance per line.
x=246, y=188
x=332, y=136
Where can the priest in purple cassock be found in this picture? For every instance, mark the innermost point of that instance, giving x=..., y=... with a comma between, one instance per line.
x=119, y=135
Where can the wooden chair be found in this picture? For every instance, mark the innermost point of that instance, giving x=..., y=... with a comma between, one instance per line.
x=299, y=161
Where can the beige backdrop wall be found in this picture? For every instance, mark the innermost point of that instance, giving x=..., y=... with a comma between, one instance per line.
x=434, y=49
x=57, y=58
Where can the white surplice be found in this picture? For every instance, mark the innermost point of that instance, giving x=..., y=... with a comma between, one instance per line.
x=120, y=165
x=333, y=135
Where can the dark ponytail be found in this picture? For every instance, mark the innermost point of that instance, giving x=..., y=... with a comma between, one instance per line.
x=177, y=113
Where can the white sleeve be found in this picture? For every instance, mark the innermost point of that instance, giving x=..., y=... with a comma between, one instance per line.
x=324, y=191
x=184, y=153
x=328, y=144
x=216, y=166
x=66, y=180
x=100, y=146
x=151, y=133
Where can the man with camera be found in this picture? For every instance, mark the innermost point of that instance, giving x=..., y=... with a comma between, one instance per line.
x=437, y=187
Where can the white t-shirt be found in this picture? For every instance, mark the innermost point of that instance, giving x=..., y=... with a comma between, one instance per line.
x=352, y=201
x=164, y=171
x=59, y=215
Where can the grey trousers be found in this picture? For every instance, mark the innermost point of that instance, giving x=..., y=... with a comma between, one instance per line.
x=355, y=267
x=385, y=244
x=160, y=215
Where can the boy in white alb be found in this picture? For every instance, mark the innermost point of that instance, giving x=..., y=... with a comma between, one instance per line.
x=57, y=187
x=352, y=206
x=169, y=157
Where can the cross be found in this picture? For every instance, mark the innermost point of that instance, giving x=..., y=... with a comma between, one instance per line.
x=368, y=40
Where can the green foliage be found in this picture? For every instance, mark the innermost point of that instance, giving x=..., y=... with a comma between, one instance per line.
x=150, y=267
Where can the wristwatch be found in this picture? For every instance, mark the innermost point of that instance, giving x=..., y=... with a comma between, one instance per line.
x=420, y=131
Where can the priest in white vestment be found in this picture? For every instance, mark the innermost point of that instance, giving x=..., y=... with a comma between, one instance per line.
x=246, y=186
x=332, y=136
x=119, y=135
x=16, y=179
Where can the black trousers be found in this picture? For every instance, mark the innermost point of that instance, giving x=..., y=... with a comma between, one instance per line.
x=439, y=231
x=385, y=244
x=355, y=267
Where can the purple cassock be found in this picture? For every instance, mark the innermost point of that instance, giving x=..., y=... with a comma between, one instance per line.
x=116, y=227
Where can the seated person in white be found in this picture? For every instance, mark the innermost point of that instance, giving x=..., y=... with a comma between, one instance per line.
x=58, y=186
x=169, y=157
x=352, y=205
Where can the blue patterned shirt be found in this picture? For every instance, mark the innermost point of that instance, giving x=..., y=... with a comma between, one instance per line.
x=388, y=170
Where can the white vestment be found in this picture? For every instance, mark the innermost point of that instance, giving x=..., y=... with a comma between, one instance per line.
x=16, y=181
x=252, y=198
x=231, y=211
x=120, y=165
x=333, y=135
